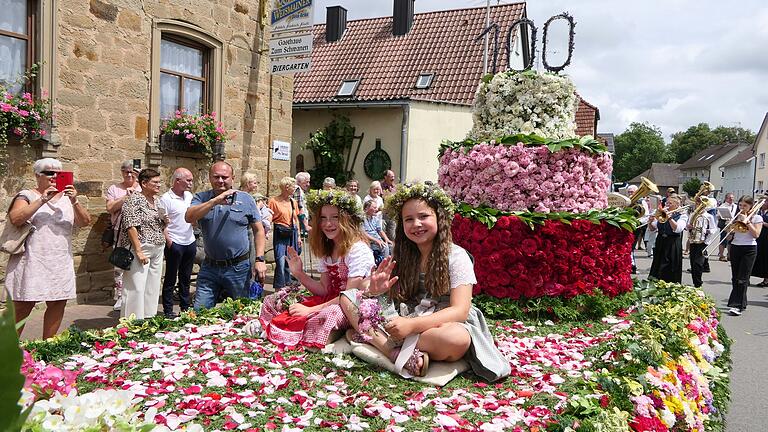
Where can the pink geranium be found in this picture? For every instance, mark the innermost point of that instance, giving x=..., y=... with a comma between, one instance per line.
x=45, y=380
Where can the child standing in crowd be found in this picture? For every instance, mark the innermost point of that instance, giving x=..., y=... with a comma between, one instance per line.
x=431, y=289
x=346, y=261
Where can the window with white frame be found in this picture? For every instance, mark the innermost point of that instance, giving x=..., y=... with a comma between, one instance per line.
x=183, y=76
x=348, y=88
x=762, y=160
x=17, y=40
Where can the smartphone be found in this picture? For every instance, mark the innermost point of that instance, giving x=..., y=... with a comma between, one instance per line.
x=137, y=164
x=232, y=199
x=64, y=179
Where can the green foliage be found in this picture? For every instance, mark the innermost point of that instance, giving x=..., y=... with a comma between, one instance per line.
x=329, y=147
x=579, y=308
x=637, y=148
x=624, y=218
x=691, y=186
x=11, y=417
x=585, y=143
x=696, y=138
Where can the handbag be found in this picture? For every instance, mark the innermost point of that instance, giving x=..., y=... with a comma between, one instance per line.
x=13, y=238
x=108, y=236
x=121, y=257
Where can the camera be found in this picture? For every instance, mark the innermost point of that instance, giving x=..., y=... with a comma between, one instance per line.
x=137, y=164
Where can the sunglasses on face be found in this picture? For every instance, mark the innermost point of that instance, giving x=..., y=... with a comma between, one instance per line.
x=48, y=173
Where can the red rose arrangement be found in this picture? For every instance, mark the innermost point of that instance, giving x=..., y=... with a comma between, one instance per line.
x=555, y=259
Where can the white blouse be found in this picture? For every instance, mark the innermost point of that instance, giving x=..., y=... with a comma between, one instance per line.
x=746, y=238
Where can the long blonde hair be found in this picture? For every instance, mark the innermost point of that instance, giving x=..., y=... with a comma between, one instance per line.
x=437, y=279
x=323, y=246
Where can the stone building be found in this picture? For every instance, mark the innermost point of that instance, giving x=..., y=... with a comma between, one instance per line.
x=114, y=69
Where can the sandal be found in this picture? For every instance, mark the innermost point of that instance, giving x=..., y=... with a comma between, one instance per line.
x=413, y=362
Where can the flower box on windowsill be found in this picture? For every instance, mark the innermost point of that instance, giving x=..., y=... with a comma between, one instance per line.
x=15, y=140
x=179, y=146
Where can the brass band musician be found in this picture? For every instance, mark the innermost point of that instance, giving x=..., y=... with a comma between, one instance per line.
x=701, y=230
x=667, y=262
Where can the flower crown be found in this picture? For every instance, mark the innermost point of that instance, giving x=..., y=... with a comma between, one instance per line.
x=426, y=191
x=316, y=199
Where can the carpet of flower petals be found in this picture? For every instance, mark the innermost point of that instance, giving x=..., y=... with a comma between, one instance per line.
x=216, y=375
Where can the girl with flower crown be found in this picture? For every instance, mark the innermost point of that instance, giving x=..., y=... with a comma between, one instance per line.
x=428, y=303
x=346, y=261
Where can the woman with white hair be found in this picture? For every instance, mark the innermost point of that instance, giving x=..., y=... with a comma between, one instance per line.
x=45, y=271
x=116, y=196
x=329, y=183
x=285, y=223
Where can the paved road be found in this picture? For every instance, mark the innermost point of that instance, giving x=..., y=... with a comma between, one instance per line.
x=749, y=379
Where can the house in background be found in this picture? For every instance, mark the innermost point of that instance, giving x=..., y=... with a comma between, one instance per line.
x=608, y=140
x=705, y=165
x=664, y=175
x=760, y=148
x=739, y=174
x=406, y=82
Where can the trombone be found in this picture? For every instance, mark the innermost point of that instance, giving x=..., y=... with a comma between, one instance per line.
x=736, y=225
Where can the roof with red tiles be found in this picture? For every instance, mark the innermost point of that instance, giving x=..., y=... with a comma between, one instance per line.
x=587, y=116
x=388, y=66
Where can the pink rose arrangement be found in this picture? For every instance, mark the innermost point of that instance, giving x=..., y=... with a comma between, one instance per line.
x=556, y=259
x=370, y=317
x=520, y=177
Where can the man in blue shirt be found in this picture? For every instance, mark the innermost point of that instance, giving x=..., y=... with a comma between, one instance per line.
x=224, y=216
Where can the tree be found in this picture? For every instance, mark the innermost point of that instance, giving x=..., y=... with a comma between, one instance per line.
x=691, y=186
x=637, y=148
x=331, y=149
x=696, y=138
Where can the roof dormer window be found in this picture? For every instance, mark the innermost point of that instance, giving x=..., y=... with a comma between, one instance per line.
x=424, y=81
x=348, y=88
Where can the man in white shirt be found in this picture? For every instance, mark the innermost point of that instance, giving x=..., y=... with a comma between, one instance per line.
x=180, y=245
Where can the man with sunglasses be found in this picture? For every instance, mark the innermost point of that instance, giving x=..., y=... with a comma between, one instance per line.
x=225, y=216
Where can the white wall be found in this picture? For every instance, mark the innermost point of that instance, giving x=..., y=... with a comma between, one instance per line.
x=428, y=126
x=382, y=123
x=738, y=179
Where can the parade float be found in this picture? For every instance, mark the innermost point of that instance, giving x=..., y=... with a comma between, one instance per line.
x=590, y=348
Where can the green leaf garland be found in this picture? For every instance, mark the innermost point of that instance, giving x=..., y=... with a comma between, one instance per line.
x=586, y=143
x=623, y=218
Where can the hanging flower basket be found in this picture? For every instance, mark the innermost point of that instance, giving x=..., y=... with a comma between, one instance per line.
x=196, y=136
x=179, y=146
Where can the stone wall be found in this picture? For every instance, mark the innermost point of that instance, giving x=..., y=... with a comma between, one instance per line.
x=102, y=83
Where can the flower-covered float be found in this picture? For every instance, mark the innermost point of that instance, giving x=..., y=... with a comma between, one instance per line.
x=658, y=361
x=533, y=196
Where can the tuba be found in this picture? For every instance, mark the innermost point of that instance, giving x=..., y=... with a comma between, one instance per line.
x=646, y=188
x=697, y=232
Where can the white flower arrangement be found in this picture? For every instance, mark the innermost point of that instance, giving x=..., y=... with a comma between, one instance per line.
x=525, y=102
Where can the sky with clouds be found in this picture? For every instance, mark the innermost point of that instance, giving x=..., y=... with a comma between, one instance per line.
x=672, y=63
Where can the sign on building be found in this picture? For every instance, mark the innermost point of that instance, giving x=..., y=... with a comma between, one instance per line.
x=291, y=43
x=291, y=15
x=300, y=44
x=281, y=150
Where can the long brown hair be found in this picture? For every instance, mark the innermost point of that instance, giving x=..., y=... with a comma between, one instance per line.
x=323, y=246
x=437, y=279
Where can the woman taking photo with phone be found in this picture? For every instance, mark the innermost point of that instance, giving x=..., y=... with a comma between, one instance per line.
x=45, y=270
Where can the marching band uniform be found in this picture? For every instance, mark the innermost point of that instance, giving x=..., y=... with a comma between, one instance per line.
x=667, y=262
x=703, y=231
